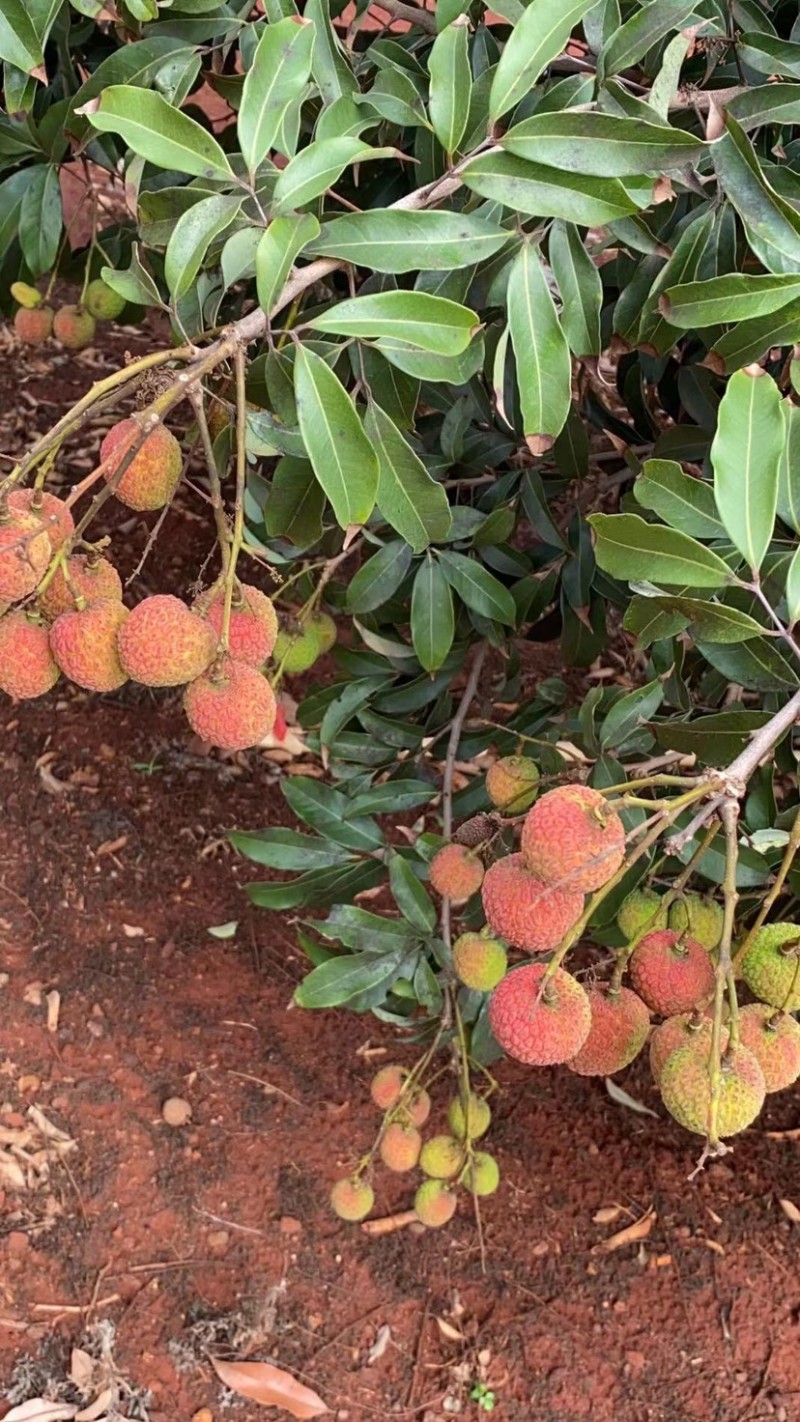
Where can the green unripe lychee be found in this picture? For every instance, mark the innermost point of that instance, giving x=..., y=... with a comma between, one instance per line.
x=771, y=965
x=352, y=1200
x=297, y=647
x=701, y=916
x=479, y=962
x=686, y=1091
x=26, y=295
x=442, y=1157
x=482, y=1175
x=512, y=783
x=641, y=912
x=103, y=303
x=387, y=1086
x=434, y=1203
x=473, y=1122
x=74, y=327
x=325, y=628
x=417, y=1107
x=400, y=1147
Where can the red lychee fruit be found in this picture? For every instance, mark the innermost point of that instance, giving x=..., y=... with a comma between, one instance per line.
x=84, y=643
x=620, y=1024
x=524, y=911
x=456, y=873
x=74, y=327
x=253, y=626
x=512, y=783
x=231, y=706
x=573, y=838
x=164, y=643
x=91, y=578
x=27, y=668
x=152, y=476
x=774, y=1039
x=434, y=1203
x=540, y=1028
x=671, y=971
x=352, y=1200
x=442, y=1157
x=54, y=515
x=479, y=962
x=387, y=1086
x=24, y=554
x=771, y=965
x=689, y=1029
x=400, y=1147
x=34, y=326
x=686, y=1091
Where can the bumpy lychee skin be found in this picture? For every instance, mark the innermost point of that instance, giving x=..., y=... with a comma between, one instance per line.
x=771, y=965
x=482, y=1175
x=297, y=647
x=400, y=1147
x=442, y=1157
x=641, y=912
x=686, y=1091
x=573, y=837
x=74, y=327
x=53, y=514
x=512, y=783
x=774, y=1039
x=620, y=1024
x=472, y=1123
x=417, y=1107
x=103, y=303
x=34, y=326
x=352, y=1200
x=671, y=972
x=541, y=1030
x=253, y=626
x=701, y=916
x=152, y=476
x=84, y=643
x=688, y=1029
x=231, y=706
x=456, y=873
x=479, y=962
x=163, y=643
x=24, y=554
x=91, y=578
x=27, y=667
x=387, y=1086
x=435, y=1204
x=523, y=910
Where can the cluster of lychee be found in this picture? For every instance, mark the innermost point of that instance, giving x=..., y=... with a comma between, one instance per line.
x=73, y=325
x=448, y=1161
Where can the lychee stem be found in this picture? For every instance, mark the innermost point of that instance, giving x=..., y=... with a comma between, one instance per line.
x=240, y=370
x=729, y=812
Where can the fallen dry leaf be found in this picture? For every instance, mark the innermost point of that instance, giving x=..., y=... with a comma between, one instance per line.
x=790, y=1210
x=271, y=1386
x=39, y=1410
x=454, y=1335
x=631, y=1234
x=53, y=1009
x=81, y=1370
x=97, y=1409
x=623, y=1099
x=382, y=1340
x=793, y=1135
x=607, y=1214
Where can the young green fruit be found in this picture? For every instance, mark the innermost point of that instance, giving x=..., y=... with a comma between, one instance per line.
x=686, y=1091
x=101, y=302
x=702, y=917
x=641, y=912
x=472, y=1123
x=771, y=965
x=441, y=1157
x=512, y=783
x=482, y=1175
x=434, y=1203
x=479, y=962
x=352, y=1200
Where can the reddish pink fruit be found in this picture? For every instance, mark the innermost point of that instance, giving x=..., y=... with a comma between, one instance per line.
x=620, y=1024
x=231, y=705
x=27, y=667
x=573, y=838
x=673, y=973
x=523, y=910
x=152, y=476
x=253, y=625
x=540, y=1026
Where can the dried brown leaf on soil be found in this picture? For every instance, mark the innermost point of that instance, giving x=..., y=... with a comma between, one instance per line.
x=622, y=1098
x=271, y=1386
x=631, y=1234
x=791, y=1211
x=40, y=1410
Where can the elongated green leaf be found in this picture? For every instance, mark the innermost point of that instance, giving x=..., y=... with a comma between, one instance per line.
x=629, y=548
x=40, y=218
x=667, y=81
x=133, y=64
x=365, y=932
x=685, y=503
x=341, y=711
x=275, y=80
x=789, y=469
x=158, y=132
x=425, y=365
x=735, y=297
x=770, y=103
x=135, y=284
x=757, y=664
x=343, y=459
x=580, y=287
x=544, y=192
x=410, y=896
x=540, y=34
x=654, y=331
x=318, y=167
x=451, y=83
x=650, y=621
x=394, y=240
x=431, y=322
x=432, y=620
x=630, y=712
x=715, y=739
x=793, y=588
x=601, y=144
x=769, y=54
x=544, y=368
x=19, y=43
x=325, y=809
x=192, y=237
x=340, y=980
x=645, y=28
x=749, y=340
x=478, y=588
x=379, y=578
x=394, y=795
x=712, y=621
x=771, y=223
x=295, y=504
x=331, y=71
x=409, y=499
x=277, y=252
x=288, y=849
x=745, y=455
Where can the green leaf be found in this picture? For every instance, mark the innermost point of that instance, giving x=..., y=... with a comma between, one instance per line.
x=478, y=588
x=580, y=287
x=602, y=145
x=317, y=167
x=629, y=712
x=735, y=297
x=19, y=43
x=748, y=341
x=540, y=35
x=667, y=81
x=544, y=368
x=158, y=132
x=331, y=71
x=277, y=252
x=191, y=238
x=408, y=497
x=276, y=79
x=685, y=503
x=424, y=365
x=629, y=548
x=770, y=103
x=716, y=739
x=343, y=459
x=653, y=331
x=135, y=284
x=789, y=469
x=650, y=621
x=645, y=28
x=325, y=809
x=410, y=896
x=771, y=223
x=341, y=979
x=544, y=192
x=745, y=455
x=769, y=54
x=40, y=218
x=378, y=579
x=757, y=664
x=431, y=322
x=793, y=588
x=432, y=620
x=317, y=887
x=366, y=932
x=451, y=83
x=288, y=849
x=712, y=621
x=295, y=503
x=393, y=796
x=343, y=708
x=395, y=240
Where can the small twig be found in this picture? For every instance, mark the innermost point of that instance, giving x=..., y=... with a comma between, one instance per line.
x=229, y=1224
x=245, y=1076
x=449, y=766
x=422, y=19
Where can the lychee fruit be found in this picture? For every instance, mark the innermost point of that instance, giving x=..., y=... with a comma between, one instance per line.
x=573, y=838
x=482, y=1175
x=686, y=1090
x=400, y=1147
x=671, y=972
x=84, y=643
x=620, y=1024
x=231, y=705
x=102, y=302
x=164, y=643
x=387, y=1085
x=434, y=1203
x=771, y=965
x=352, y=1200
x=512, y=783
x=456, y=873
x=297, y=646
x=642, y=911
x=479, y=962
x=472, y=1123
x=774, y=1039
x=523, y=910
x=74, y=327
x=540, y=1027
x=53, y=513
x=27, y=667
x=442, y=1157
x=417, y=1107
x=253, y=625
x=34, y=326
x=24, y=554
x=152, y=476
x=324, y=628
x=688, y=1029
x=91, y=577
x=701, y=916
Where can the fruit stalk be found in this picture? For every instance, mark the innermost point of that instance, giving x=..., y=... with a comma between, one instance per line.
x=454, y=738
x=240, y=368
x=724, y=976
x=223, y=531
